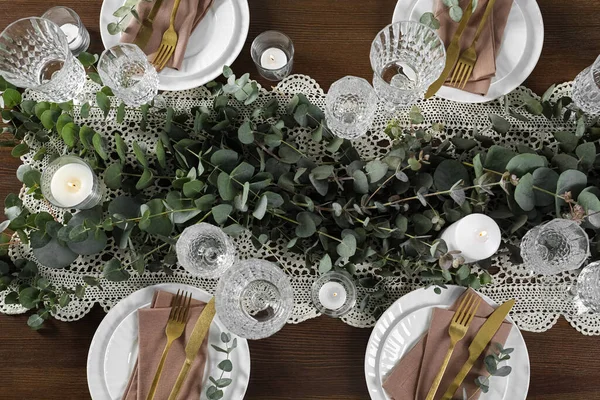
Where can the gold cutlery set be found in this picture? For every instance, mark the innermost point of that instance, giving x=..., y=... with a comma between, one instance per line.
x=169, y=39
x=458, y=329
x=461, y=68
x=180, y=310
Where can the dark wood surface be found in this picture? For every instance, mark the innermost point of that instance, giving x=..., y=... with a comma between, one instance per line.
x=321, y=358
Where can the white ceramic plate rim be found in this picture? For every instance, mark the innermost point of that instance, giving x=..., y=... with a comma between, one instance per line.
x=533, y=49
x=197, y=78
x=140, y=298
x=424, y=298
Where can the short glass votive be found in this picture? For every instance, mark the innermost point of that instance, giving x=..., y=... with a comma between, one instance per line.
x=34, y=54
x=70, y=23
x=334, y=294
x=273, y=54
x=204, y=250
x=556, y=246
x=70, y=182
x=586, y=89
x=126, y=70
x=406, y=57
x=350, y=107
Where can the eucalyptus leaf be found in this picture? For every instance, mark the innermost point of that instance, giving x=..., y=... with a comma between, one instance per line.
x=524, y=163
x=524, y=194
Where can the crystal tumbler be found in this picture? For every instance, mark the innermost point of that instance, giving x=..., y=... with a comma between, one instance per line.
x=126, y=70
x=254, y=299
x=557, y=246
x=586, y=89
x=205, y=250
x=70, y=23
x=406, y=57
x=34, y=54
x=587, y=288
x=350, y=107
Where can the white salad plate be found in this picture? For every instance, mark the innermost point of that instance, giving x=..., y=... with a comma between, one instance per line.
x=113, y=352
x=520, y=51
x=216, y=42
x=403, y=324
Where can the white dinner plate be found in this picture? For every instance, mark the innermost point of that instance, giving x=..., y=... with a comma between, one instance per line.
x=216, y=41
x=404, y=323
x=113, y=351
x=520, y=51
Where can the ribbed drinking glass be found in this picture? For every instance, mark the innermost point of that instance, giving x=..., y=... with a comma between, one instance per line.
x=586, y=89
x=587, y=289
x=34, y=54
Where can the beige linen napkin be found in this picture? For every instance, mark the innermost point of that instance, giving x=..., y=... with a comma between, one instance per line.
x=152, y=340
x=412, y=377
x=189, y=15
x=489, y=42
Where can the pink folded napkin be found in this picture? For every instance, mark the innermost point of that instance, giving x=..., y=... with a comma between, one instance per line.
x=152, y=340
x=189, y=15
x=489, y=42
x=412, y=377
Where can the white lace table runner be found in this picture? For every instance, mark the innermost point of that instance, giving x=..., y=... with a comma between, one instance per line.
x=540, y=301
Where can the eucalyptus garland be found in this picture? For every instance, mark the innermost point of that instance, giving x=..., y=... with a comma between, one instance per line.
x=248, y=175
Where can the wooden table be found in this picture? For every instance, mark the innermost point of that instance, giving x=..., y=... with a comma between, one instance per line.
x=321, y=358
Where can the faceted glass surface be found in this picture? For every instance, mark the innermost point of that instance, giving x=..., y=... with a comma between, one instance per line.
x=586, y=89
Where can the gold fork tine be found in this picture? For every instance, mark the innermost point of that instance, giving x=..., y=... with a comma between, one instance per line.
x=186, y=308
x=460, y=308
x=453, y=77
x=468, y=310
x=174, y=303
x=467, y=76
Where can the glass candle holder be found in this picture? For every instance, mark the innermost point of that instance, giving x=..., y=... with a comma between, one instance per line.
x=586, y=89
x=557, y=246
x=406, y=57
x=587, y=289
x=273, y=54
x=334, y=294
x=70, y=23
x=34, y=54
x=350, y=107
x=205, y=250
x=69, y=182
x=126, y=70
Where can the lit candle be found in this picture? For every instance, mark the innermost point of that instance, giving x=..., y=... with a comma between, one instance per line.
x=476, y=236
x=71, y=184
x=71, y=31
x=273, y=58
x=332, y=295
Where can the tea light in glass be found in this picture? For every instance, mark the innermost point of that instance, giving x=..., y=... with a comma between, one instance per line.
x=69, y=182
x=334, y=294
x=71, y=25
x=273, y=54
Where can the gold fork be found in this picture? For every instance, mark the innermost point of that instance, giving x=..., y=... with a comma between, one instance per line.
x=468, y=58
x=180, y=311
x=457, y=331
x=168, y=43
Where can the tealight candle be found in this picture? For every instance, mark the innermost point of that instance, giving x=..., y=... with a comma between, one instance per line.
x=70, y=24
x=69, y=182
x=476, y=236
x=273, y=54
x=273, y=58
x=332, y=295
x=72, y=33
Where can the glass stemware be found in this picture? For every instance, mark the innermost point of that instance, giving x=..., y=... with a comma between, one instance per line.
x=406, y=57
x=254, y=299
x=557, y=246
x=350, y=107
x=587, y=289
x=586, y=89
x=126, y=70
x=205, y=250
x=35, y=54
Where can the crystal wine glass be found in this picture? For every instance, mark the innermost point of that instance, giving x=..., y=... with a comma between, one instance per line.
x=126, y=70
x=34, y=54
x=205, y=250
x=557, y=246
x=406, y=57
x=586, y=89
x=254, y=299
x=350, y=107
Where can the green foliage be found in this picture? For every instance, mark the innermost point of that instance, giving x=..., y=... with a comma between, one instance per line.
x=214, y=391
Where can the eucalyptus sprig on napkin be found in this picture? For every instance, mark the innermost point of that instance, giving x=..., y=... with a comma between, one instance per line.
x=215, y=391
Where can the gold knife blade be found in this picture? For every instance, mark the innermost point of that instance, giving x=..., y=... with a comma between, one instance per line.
x=191, y=350
x=479, y=343
x=452, y=52
x=143, y=35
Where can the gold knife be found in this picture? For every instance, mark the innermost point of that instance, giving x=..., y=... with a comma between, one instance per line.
x=452, y=52
x=194, y=343
x=146, y=29
x=482, y=339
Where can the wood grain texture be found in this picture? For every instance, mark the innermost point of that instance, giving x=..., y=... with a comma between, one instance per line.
x=321, y=358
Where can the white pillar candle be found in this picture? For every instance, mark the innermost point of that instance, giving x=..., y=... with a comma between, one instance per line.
x=332, y=295
x=476, y=236
x=71, y=31
x=71, y=184
x=273, y=58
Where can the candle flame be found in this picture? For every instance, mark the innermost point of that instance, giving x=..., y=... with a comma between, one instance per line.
x=73, y=186
x=483, y=234
x=271, y=57
x=335, y=294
